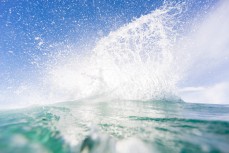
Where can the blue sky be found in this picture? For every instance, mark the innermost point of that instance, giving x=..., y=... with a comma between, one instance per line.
x=25, y=24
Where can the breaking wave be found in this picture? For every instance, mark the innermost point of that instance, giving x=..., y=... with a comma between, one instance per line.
x=135, y=62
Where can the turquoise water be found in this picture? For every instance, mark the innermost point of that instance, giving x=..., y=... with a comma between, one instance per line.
x=116, y=127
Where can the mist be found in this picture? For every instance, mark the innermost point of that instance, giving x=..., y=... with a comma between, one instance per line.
x=207, y=47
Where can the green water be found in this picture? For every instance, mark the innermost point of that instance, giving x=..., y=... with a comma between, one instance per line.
x=116, y=127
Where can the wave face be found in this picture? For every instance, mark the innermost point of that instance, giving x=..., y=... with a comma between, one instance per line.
x=134, y=62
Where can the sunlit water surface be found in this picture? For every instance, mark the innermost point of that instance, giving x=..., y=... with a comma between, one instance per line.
x=102, y=126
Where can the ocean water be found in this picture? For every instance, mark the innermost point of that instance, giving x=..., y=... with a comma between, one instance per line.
x=116, y=126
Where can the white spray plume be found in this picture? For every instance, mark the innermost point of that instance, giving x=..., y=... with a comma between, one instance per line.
x=134, y=62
